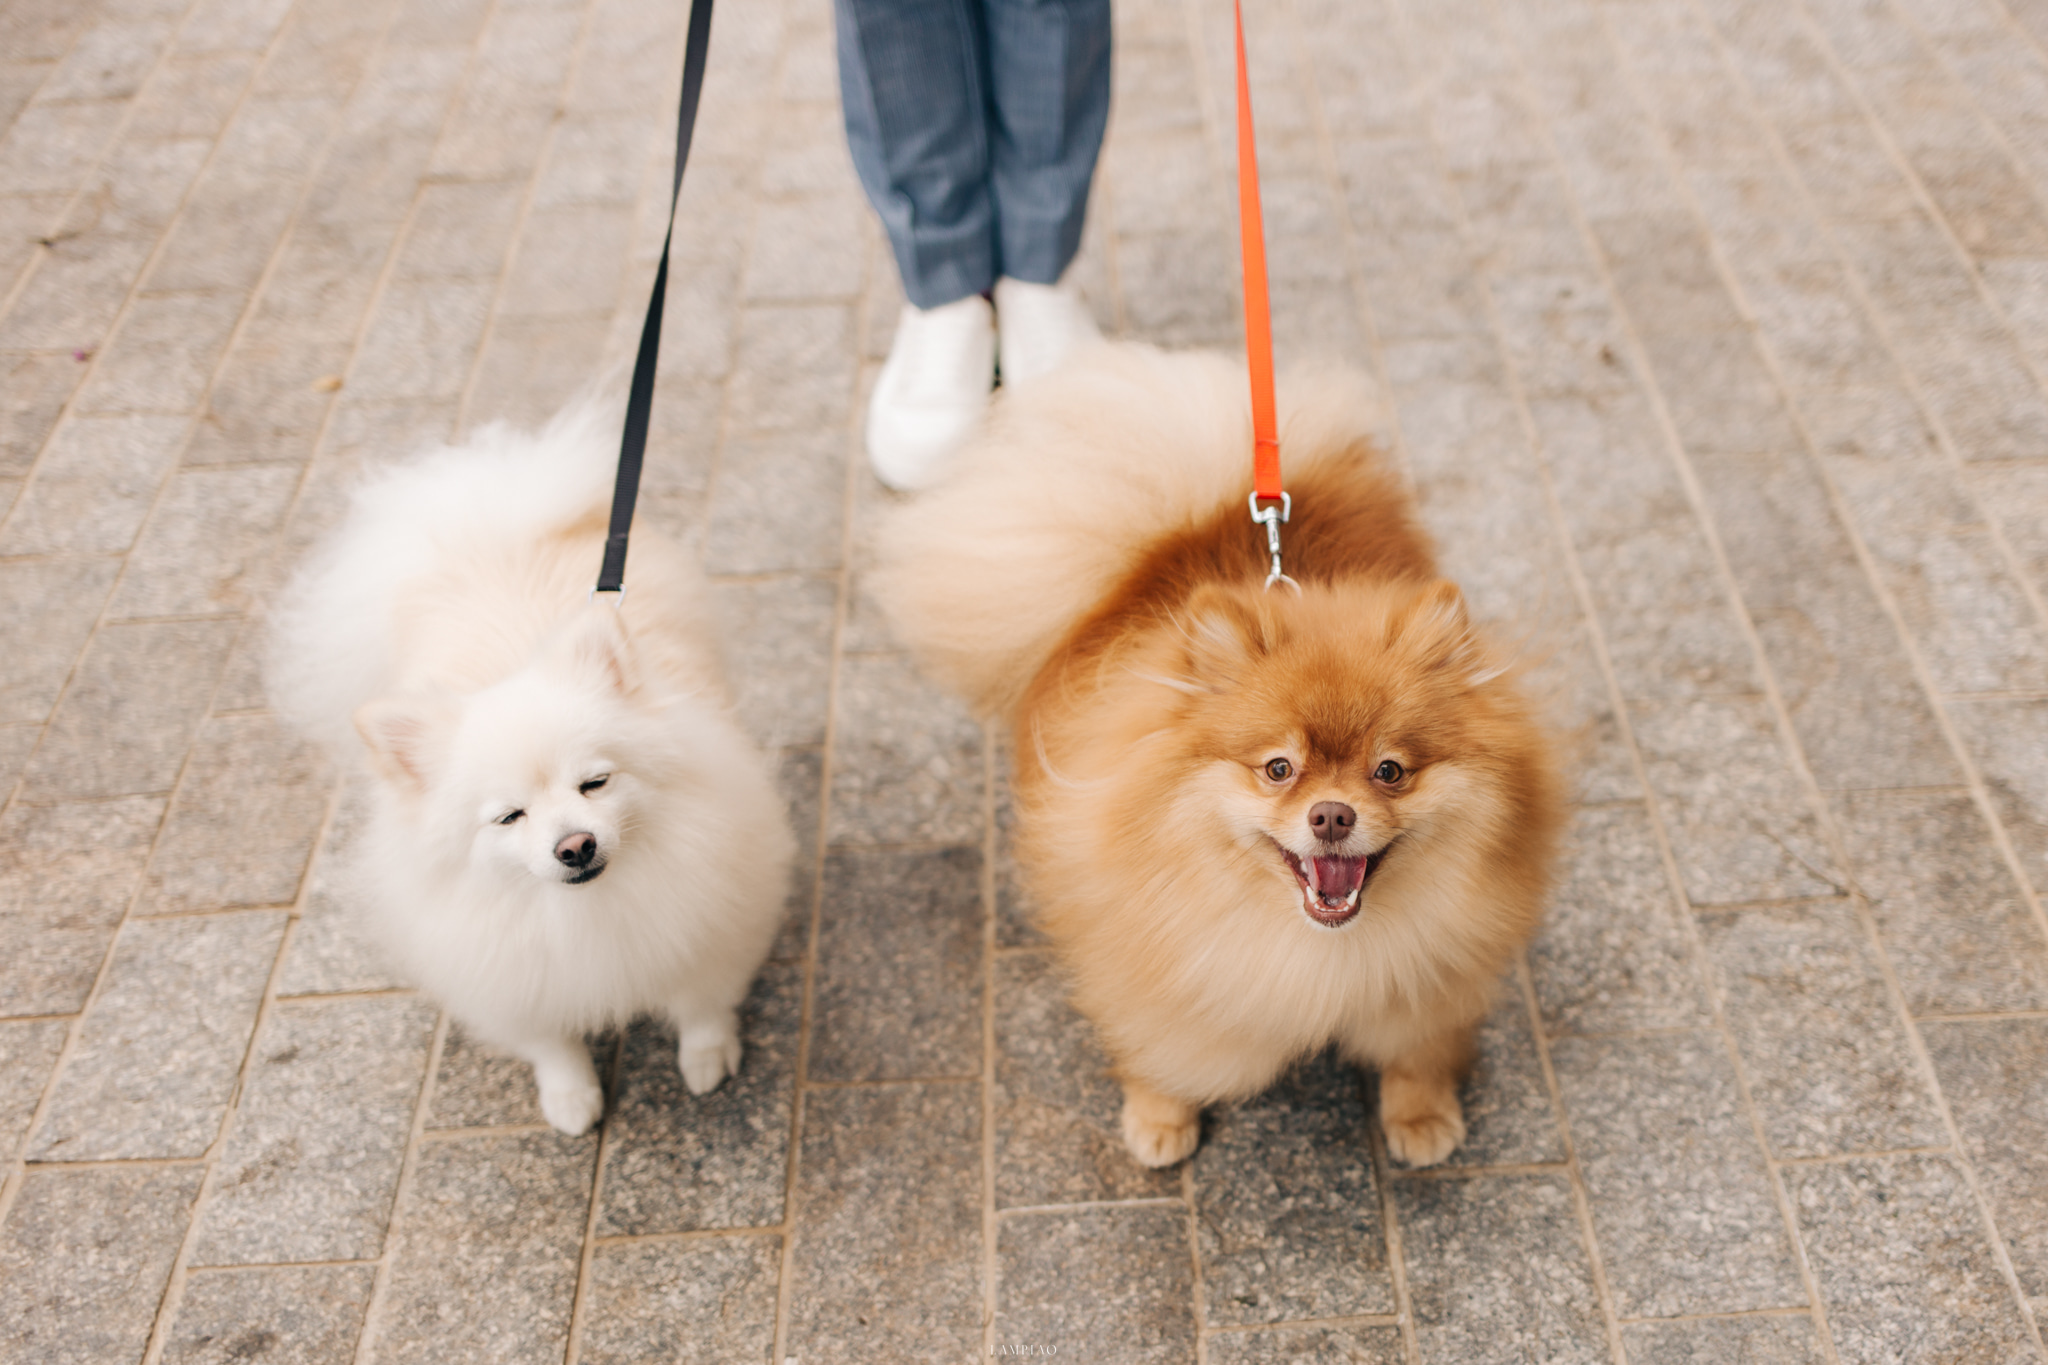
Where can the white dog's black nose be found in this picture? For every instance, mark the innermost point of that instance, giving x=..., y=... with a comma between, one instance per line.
x=1331, y=821
x=576, y=850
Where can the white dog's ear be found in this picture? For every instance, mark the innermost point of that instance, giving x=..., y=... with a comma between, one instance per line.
x=401, y=735
x=1225, y=634
x=595, y=646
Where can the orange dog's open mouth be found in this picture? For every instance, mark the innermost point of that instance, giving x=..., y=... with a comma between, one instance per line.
x=1331, y=886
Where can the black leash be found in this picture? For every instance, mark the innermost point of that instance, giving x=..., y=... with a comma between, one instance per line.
x=640, y=397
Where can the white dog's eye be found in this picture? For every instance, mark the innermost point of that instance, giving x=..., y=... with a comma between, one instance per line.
x=512, y=817
x=594, y=783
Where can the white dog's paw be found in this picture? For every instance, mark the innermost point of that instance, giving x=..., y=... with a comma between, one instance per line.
x=708, y=1055
x=572, y=1106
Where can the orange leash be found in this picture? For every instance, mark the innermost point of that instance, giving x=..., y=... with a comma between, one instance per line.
x=1258, y=324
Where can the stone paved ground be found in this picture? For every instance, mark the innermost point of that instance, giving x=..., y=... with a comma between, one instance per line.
x=1716, y=334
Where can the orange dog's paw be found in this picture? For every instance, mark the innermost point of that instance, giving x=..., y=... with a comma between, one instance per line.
x=1424, y=1139
x=1420, y=1115
x=1159, y=1130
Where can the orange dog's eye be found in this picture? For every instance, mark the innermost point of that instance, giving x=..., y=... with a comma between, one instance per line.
x=1279, y=770
x=1389, y=772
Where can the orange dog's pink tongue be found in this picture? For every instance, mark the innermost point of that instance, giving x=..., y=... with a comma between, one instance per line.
x=1335, y=879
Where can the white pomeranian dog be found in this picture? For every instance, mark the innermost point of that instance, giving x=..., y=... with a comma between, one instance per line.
x=568, y=827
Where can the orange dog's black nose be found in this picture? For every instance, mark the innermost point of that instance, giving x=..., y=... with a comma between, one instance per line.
x=576, y=850
x=1332, y=821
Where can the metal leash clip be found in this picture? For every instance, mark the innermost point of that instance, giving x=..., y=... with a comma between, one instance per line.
x=1270, y=518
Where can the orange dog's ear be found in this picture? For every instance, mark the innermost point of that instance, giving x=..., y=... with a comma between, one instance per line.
x=1226, y=634
x=402, y=734
x=1437, y=625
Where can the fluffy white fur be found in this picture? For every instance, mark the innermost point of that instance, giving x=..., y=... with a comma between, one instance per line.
x=444, y=639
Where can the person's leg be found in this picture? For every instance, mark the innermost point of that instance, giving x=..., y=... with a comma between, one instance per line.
x=913, y=81
x=1048, y=65
x=1049, y=86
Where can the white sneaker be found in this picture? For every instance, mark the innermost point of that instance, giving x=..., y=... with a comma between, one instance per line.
x=1039, y=323
x=932, y=391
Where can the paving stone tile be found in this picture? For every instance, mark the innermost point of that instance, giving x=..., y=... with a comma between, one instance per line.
x=1968, y=616
x=476, y=1086
x=312, y=1160
x=811, y=248
x=1899, y=1252
x=1613, y=952
x=94, y=485
x=2008, y=741
x=1956, y=928
x=778, y=503
x=28, y=1052
x=332, y=948
x=1496, y=1271
x=139, y=188
x=897, y=989
x=1994, y=1075
x=793, y=369
x=207, y=547
x=781, y=661
x=459, y=228
x=595, y=158
x=1830, y=1066
x=488, y=1241
x=708, y=1299
x=423, y=340
x=1056, y=1106
x=1287, y=1210
x=2016, y=498
x=1308, y=1346
x=678, y=1162
x=1859, y=713
x=1788, y=1340
x=163, y=354
x=884, y=1168
x=1740, y=825
x=16, y=741
x=37, y=386
x=907, y=758
x=47, y=611
x=1140, y=1278
x=531, y=367
x=83, y=1260
x=67, y=873
x=320, y=286
x=1665, y=613
x=300, y=1315
x=71, y=301
x=1681, y=1201
x=52, y=146
x=267, y=404
x=800, y=777
x=42, y=30
x=567, y=261
x=195, y=90
x=243, y=822
x=1509, y=1118
x=132, y=707
x=161, y=1048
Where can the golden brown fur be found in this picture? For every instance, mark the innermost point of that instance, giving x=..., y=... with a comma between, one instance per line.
x=1090, y=572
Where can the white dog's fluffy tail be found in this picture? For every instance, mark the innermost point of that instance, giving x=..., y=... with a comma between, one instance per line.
x=331, y=630
x=1074, y=478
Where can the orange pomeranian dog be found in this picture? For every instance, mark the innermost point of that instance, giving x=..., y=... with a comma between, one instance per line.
x=1254, y=822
